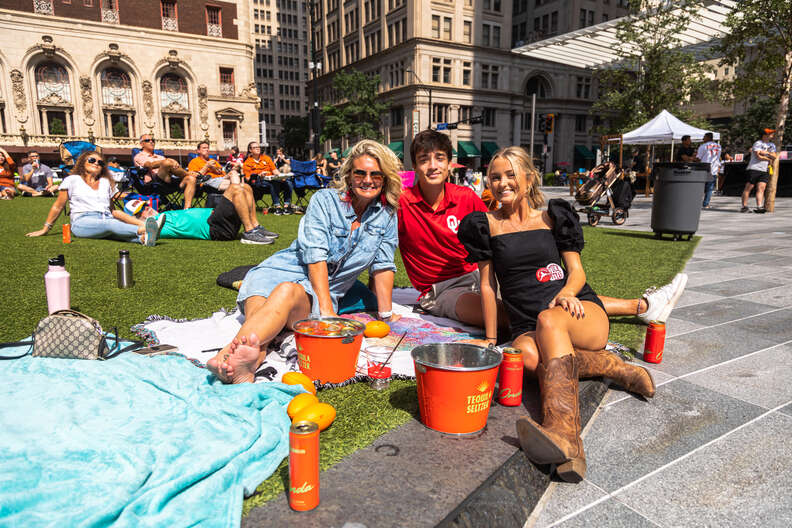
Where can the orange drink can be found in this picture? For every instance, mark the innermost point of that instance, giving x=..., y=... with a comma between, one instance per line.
x=510, y=379
x=655, y=342
x=66, y=233
x=304, y=466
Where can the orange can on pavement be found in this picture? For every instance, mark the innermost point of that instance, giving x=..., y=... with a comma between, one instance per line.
x=304, y=466
x=455, y=386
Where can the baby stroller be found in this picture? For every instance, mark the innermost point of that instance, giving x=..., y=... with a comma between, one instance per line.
x=605, y=180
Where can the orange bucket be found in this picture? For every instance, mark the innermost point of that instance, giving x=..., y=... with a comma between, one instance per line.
x=328, y=347
x=455, y=386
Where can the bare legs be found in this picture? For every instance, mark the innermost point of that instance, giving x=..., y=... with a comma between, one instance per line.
x=238, y=361
x=468, y=311
x=241, y=195
x=760, y=189
x=615, y=306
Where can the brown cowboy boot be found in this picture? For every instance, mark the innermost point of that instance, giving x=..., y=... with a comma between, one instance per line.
x=596, y=363
x=557, y=440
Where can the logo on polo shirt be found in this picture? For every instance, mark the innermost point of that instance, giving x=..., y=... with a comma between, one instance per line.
x=551, y=272
x=453, y=223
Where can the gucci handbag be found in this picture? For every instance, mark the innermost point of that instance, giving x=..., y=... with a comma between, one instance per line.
x=69, y=334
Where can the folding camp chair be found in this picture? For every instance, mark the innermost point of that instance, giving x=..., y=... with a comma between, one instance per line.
x=203, y=191
x=170, y=194
x=306, y=178
x=71, y=150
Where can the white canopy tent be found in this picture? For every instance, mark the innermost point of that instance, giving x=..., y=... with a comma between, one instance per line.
x=664, y=128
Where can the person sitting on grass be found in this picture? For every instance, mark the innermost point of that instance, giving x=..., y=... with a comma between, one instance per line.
x=556, y=319
x=35, y=179
x=164, y=169
x=434, y=259
x=235, y=209
x=89, y=190
x=344, y=232
x=7, y=189
x=209, y=171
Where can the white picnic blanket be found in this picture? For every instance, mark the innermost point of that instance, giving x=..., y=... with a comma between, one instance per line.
x=201, y=339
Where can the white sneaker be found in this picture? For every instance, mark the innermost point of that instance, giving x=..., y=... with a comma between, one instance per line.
x=662, y=300
x=152, y=231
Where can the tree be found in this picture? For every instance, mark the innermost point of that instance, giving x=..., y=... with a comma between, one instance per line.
x=176, y=130
x=294, y=134
x=359, y=112
x=120, y=130
x=759, y=45
x=655, y=72
x=57, y=127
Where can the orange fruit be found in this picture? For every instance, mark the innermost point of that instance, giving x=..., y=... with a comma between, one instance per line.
x=376, y=329
x=322, y=414
x=300, y=402
x=298, y=378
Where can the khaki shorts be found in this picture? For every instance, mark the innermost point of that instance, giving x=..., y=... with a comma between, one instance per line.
x=442, y=299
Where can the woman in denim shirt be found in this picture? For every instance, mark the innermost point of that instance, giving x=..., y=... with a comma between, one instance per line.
x=344, y=232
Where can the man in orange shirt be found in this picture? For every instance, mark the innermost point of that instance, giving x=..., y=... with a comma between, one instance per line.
x=259, y=164
x=163, y=168
x=209, y=170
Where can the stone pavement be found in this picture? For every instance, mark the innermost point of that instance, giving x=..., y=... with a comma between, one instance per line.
x=713, y=447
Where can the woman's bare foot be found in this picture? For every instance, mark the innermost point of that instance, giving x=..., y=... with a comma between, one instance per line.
x=237, y=363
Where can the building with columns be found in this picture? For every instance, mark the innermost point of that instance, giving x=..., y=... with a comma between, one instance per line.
x=108, y=71
x=456, y=54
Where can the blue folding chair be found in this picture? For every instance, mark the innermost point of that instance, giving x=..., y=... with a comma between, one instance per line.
x=71, y=150
x=306, y=178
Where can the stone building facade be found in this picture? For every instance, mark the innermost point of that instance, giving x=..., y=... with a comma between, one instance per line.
x=108, y=71
x=280, y=33
x=458, y=54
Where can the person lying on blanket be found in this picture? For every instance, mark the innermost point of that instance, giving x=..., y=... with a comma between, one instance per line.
x=344, y=232
x=557, y=320
x=429, y=216
x=236, y=208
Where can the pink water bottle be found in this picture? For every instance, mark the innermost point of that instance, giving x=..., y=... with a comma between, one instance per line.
x=58, y=284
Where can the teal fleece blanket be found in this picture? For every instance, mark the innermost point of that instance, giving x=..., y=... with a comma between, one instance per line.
x=133, y=441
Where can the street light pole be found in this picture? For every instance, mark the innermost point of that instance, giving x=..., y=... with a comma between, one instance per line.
x=428, y=89
x=314, y=66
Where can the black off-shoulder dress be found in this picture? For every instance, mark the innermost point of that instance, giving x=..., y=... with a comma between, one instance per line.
x=528, y=264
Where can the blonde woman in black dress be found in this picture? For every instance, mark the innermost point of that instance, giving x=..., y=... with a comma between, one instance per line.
x=557, y=320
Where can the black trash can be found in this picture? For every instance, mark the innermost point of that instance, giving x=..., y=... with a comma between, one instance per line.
x=678, y=194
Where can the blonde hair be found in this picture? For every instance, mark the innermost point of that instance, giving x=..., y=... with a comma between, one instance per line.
x=389, y=166
x=521, y=163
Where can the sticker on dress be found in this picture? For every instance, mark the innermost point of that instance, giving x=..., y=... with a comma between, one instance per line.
x=551, y=272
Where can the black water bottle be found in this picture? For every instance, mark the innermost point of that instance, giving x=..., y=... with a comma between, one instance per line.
x=124, y=270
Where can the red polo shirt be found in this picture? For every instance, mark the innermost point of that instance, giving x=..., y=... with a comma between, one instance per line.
x=428, y=239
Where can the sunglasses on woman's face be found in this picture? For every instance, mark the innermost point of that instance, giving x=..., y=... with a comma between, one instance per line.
x=97, y=161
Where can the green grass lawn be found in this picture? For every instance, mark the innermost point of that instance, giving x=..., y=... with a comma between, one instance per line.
x=177, y=279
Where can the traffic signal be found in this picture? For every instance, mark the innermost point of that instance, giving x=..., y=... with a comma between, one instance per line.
x=549, y=122
x=542, y=123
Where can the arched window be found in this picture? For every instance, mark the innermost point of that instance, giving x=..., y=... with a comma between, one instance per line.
x=173, y=93
x=117, y=103
x=52, y=83
x=175, y=106
x=116, y=87
x=537, y=85
x=54, y=100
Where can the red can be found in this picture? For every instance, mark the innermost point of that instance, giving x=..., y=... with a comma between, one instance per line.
x=655, y=341
x=66, y=234
x=510, y=379
x=304, y=466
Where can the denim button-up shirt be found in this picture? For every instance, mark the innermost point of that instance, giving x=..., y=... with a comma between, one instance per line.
x=325, y=234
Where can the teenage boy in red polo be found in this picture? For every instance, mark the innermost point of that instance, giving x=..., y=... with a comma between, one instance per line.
x=429, y=215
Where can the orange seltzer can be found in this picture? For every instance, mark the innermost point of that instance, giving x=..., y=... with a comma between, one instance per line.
x=304, y=466
x=655, y=342
x=66, y=234
x=510, y=377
